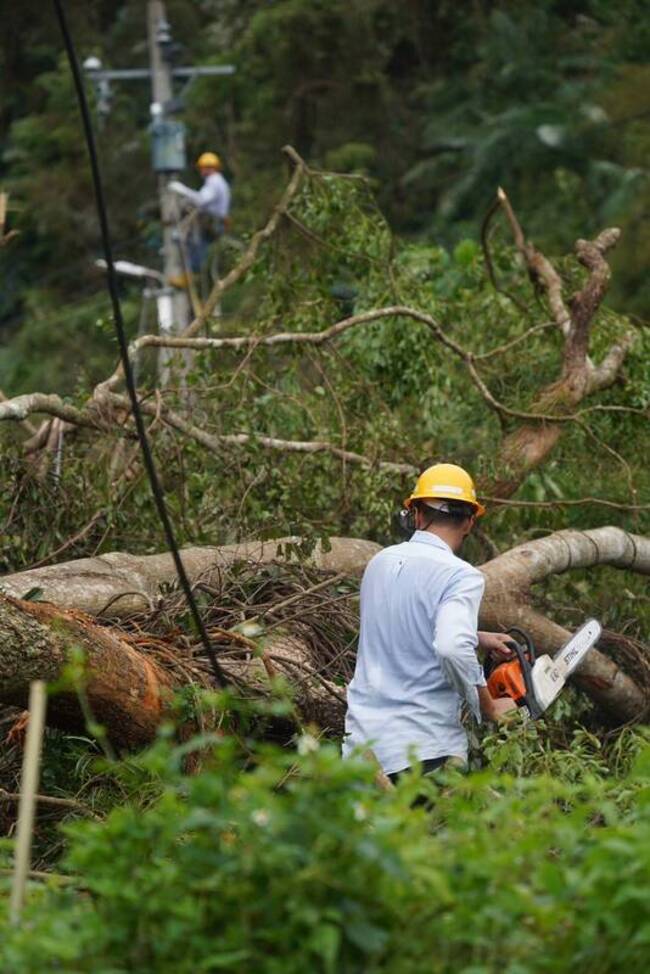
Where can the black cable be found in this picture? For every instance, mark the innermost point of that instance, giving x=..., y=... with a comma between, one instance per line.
x=147, y=456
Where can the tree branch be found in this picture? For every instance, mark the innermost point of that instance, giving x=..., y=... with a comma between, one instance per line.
x=215, y=441
x=586, y=302
x=604, y=375
x=18, y=408
x=69, y=803
x=532, y=562
x=539, y=267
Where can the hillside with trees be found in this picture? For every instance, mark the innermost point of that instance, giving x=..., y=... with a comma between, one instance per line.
x=438, y=252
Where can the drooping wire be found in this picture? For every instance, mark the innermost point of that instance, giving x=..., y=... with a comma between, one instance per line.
x=147, y=456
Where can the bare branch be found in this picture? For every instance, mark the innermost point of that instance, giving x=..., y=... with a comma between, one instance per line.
x=25, y=423
x=487, y=257
x=69, y=803
x=564, y=502
x=79, y=536
x=604, y=375
x=539, y=267
x=507, y=346
x=214, y=442
x=18, y=408
x=586, y=302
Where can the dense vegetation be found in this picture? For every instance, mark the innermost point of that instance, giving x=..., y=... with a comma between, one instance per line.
x=278, y=861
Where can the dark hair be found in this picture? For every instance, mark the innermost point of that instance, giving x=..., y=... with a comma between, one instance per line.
x=458, y=511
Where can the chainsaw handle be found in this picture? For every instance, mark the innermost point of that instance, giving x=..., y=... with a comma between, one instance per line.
x=526, y=657
x=527, y=641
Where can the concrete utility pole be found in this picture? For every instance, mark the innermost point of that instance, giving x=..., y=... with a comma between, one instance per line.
x=173, y=307
x=168, y=156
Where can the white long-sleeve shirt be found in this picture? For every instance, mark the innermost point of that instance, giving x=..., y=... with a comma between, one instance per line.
x=417, y=654
x=212, y=198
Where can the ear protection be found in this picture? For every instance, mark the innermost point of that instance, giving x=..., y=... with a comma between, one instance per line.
x=406, y=521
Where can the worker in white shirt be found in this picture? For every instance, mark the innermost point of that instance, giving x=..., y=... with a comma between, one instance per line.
x=212, y=208
x=417, y=661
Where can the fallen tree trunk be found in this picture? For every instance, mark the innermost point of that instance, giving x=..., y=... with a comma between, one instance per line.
x=127, y=690
x=118, y=584
x=507, y=602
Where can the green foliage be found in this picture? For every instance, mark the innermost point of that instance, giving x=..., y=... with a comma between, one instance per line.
x=299, y=863
x=387, y=390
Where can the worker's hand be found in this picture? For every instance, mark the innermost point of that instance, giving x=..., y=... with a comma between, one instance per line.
x=492, y=708
x=497, y=644
x=501, y=707
x=175, y=186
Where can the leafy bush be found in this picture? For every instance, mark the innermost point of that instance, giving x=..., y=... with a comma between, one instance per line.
x=298, y=863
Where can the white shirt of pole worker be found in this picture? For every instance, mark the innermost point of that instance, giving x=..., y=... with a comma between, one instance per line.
x=417, y=659
x=212, y=198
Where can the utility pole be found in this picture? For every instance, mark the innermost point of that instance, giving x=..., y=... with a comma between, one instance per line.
x=173, y=307
x=168, y=157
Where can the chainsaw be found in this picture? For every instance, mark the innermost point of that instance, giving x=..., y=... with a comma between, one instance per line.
x=532, y=681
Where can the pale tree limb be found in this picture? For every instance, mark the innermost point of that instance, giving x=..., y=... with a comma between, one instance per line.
x=215, y=441
x=539, y=266
x=25, y=423
x=132, y=583
x=20, y=407
x=52, y=800
x=604, y=375
x=561, y=551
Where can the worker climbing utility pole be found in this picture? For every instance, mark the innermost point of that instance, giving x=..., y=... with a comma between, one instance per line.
x=173, y=303
x=168, y=156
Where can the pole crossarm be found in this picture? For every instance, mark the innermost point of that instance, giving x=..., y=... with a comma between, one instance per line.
x=143, y=74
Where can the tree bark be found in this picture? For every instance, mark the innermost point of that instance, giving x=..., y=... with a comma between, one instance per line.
x=118, y=584
x=127, y=691
x=507, y=602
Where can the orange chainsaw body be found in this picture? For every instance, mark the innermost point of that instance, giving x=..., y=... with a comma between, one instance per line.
x=507, y=680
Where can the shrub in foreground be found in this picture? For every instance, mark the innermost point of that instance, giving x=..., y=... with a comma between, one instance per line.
x=298, y=864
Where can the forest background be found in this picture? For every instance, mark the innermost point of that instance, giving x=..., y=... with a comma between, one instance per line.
x=437, y=103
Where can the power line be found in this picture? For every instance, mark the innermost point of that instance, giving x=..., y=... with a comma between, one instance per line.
x=150, y=467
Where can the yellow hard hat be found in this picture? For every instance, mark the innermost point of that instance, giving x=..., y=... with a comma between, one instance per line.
x=209, y=159
x=446, y=481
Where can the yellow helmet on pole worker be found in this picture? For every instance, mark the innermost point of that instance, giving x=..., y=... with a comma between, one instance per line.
x=208, y=159
x=445, y=481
